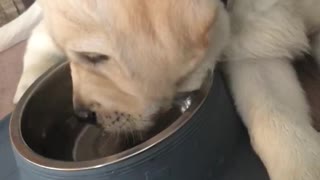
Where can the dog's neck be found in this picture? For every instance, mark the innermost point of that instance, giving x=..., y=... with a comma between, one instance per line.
x=218, y=39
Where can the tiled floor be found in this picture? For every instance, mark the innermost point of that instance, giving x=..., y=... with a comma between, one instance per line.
x=10, y=70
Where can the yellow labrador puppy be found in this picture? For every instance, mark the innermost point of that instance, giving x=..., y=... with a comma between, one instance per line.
x=130, y=57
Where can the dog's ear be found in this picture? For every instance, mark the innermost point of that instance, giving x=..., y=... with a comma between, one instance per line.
x=197, y=18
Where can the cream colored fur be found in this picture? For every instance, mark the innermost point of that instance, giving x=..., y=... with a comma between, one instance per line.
x=265, y=37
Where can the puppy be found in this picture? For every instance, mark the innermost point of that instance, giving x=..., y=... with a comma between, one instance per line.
x=134, y=55
x=129, y=58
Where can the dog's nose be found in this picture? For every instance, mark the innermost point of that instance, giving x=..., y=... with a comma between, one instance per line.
x=81, y=112
x=84, y=115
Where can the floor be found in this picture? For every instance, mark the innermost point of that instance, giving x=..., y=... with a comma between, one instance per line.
x=10, y=70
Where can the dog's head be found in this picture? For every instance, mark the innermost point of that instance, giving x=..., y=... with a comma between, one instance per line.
x=129, y=57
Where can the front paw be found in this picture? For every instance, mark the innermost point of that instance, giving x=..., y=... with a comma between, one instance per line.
x=294, y=159
x=306, y=167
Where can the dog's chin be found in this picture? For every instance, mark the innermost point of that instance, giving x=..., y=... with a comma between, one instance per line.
x=124, y=124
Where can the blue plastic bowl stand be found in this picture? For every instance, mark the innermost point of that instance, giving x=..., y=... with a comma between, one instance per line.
x=244, y=166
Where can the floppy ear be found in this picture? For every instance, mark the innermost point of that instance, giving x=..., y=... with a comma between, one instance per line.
x=197, y=18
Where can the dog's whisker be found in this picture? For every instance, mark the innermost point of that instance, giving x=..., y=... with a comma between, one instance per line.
x=131, y=129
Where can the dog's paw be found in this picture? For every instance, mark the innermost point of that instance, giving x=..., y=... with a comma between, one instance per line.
x=299, y=170
x=298, y=161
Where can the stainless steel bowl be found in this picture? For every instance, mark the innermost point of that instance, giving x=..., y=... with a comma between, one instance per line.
x=49, y=143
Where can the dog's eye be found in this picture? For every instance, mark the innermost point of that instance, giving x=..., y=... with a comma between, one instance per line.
x=93, y=58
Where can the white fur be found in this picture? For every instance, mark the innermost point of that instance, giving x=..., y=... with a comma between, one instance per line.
x=265, y=37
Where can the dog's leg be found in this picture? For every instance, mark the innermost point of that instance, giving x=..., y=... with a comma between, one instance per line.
x=40, y=55
x=273, y=107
